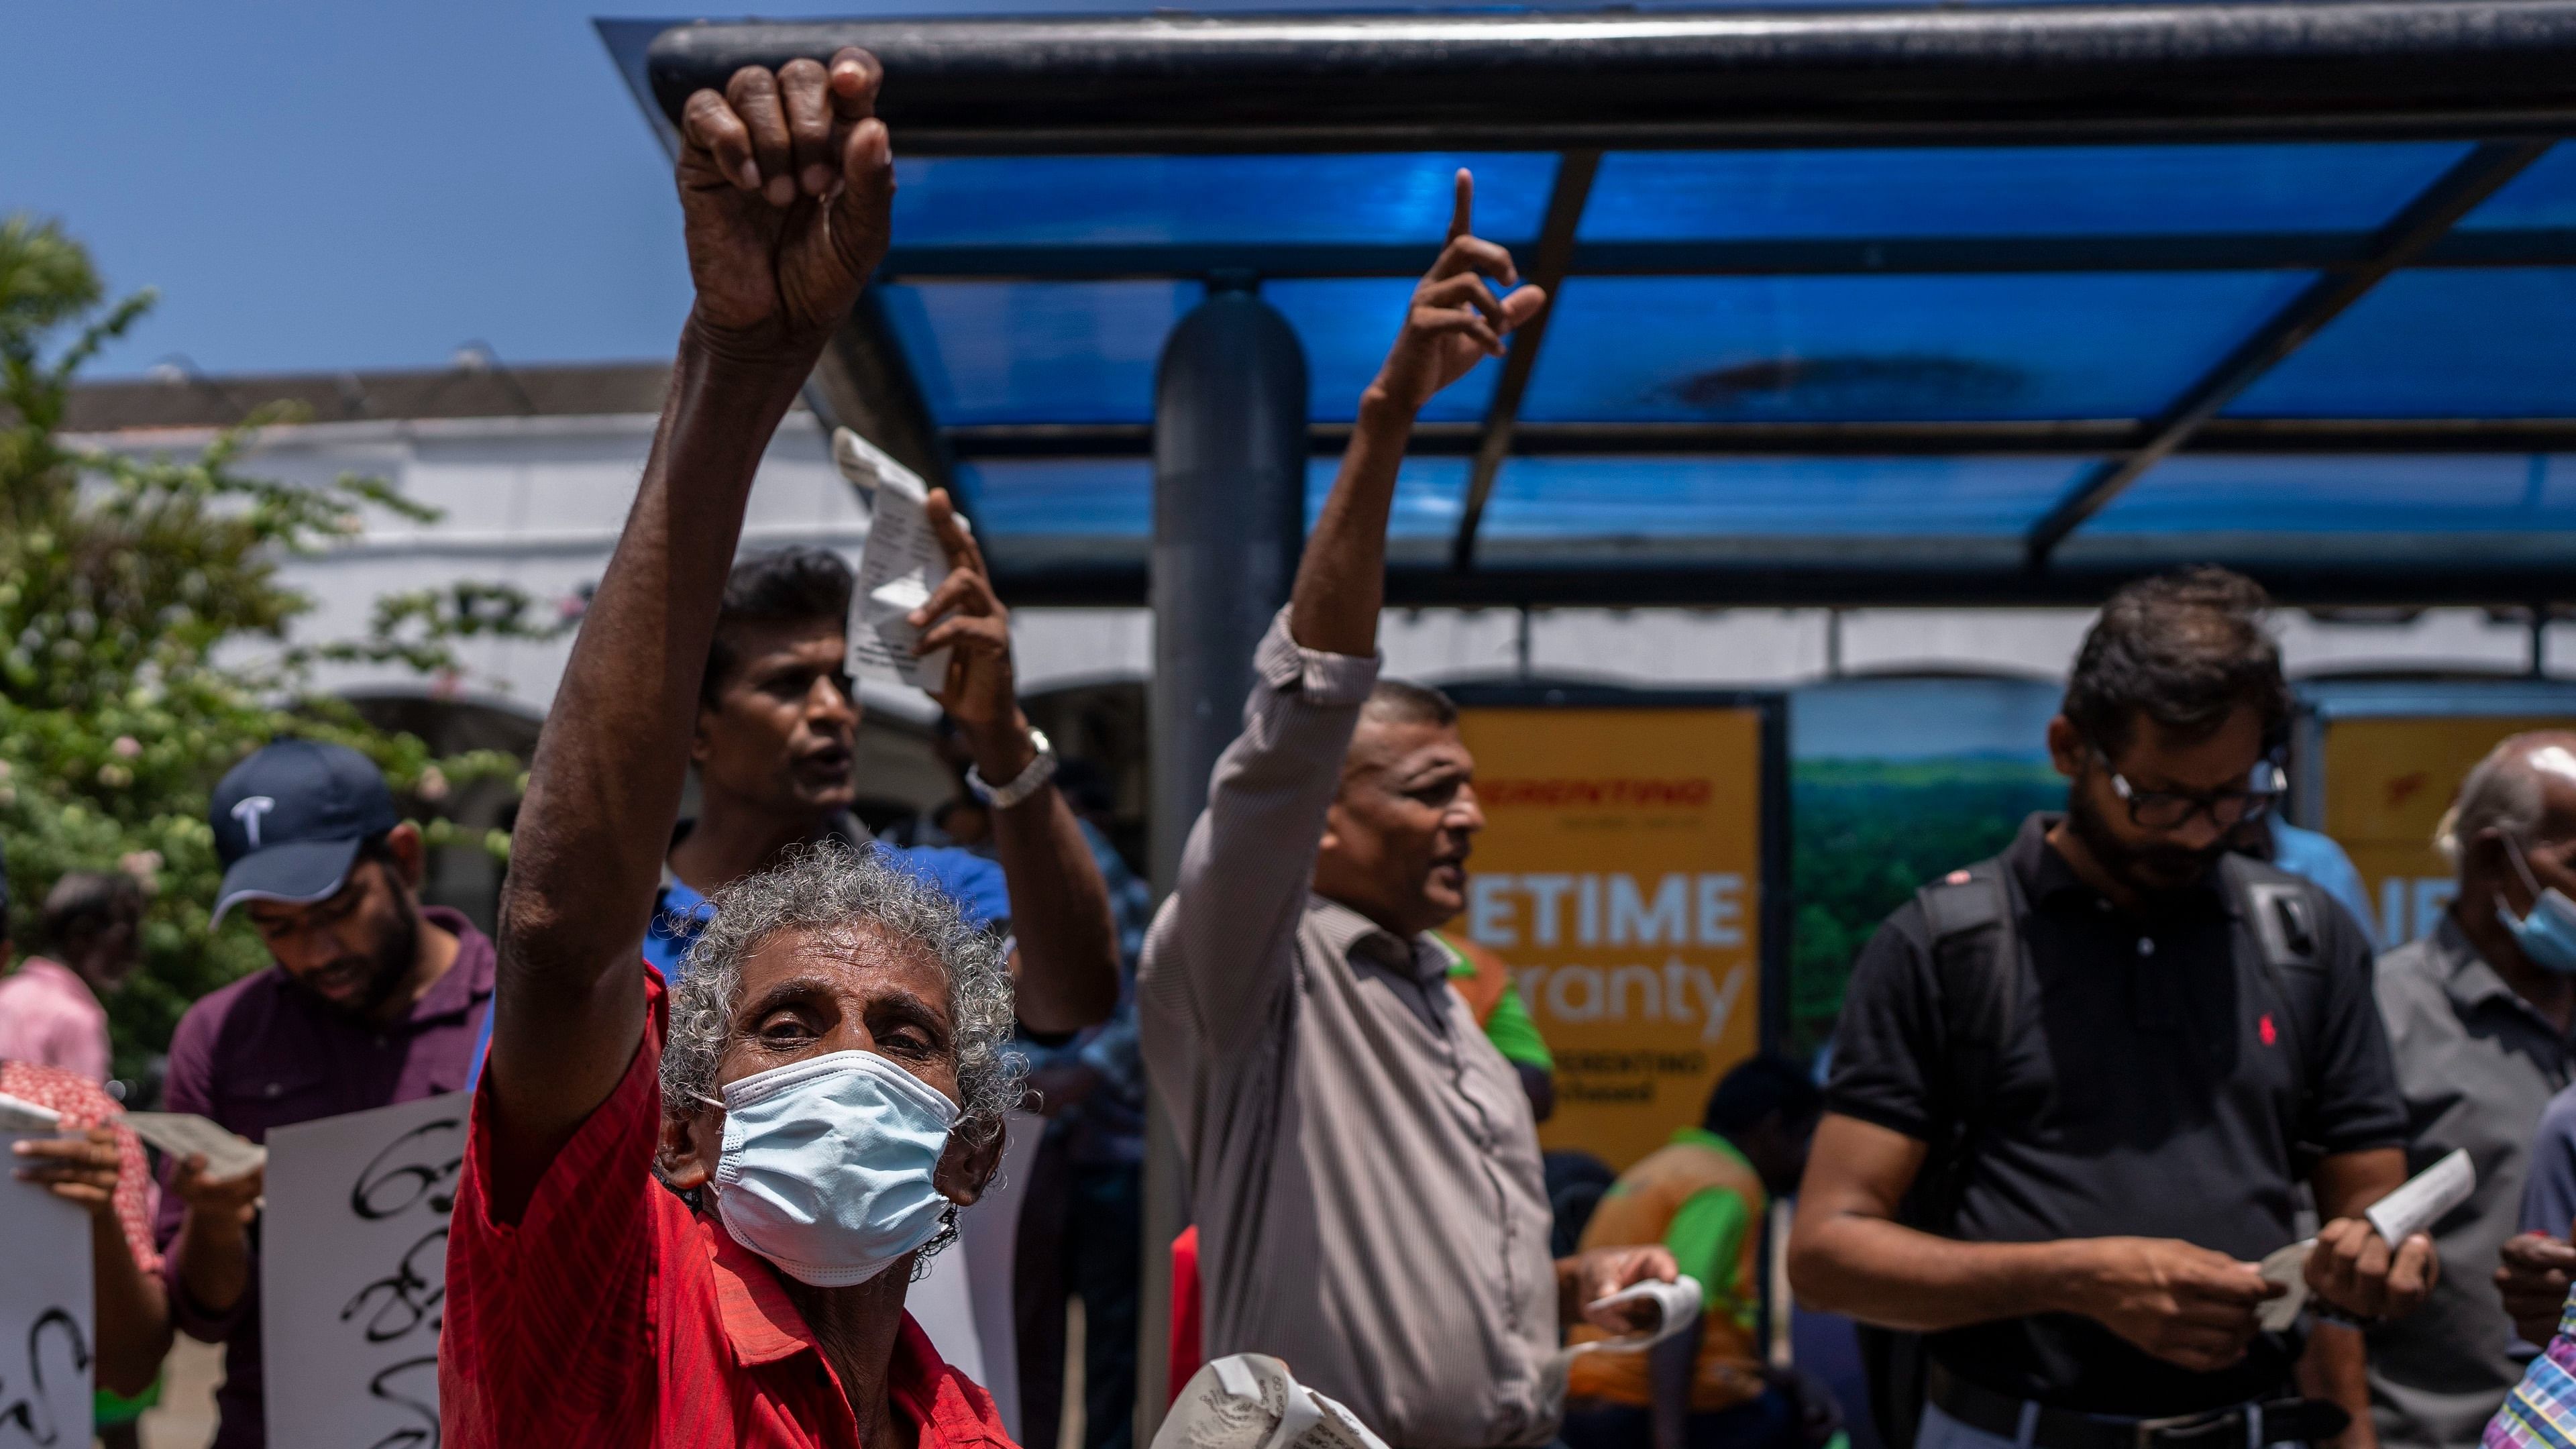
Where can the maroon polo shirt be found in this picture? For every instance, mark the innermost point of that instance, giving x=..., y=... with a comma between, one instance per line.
x=265, y=1053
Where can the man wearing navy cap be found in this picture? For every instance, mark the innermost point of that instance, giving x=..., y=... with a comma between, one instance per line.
x=371, y=999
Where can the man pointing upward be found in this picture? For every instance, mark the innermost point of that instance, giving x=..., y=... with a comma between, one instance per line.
x=1363, y=1162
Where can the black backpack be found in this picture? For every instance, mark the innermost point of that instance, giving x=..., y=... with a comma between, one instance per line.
x=1974, y=917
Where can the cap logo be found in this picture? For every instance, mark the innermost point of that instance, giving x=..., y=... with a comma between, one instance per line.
x=248, y=811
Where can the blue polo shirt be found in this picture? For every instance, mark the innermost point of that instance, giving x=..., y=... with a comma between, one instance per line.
x=680, y=912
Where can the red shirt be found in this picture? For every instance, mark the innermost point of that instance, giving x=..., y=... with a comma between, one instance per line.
x=611, y=1314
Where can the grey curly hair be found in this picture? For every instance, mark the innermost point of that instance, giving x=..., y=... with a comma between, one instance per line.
x=835, y=892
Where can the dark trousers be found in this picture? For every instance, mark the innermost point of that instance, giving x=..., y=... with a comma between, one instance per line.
x=1081, y=1236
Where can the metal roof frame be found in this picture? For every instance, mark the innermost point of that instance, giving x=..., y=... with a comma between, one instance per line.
x=2499, y=72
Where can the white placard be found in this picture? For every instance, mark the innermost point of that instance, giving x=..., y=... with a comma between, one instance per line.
x=353, y=1274
x=47, y=1322
x=899, y=566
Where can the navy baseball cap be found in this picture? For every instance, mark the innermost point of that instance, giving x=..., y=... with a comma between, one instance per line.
x=288, y=822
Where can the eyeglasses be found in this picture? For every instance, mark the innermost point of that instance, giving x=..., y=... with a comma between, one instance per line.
x=2173, y=809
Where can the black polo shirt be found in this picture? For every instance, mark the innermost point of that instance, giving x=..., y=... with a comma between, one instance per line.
x=2147, y=1089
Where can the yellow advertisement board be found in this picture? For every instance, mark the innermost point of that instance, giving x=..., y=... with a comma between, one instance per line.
x=2387, y=782
x=1620, y=874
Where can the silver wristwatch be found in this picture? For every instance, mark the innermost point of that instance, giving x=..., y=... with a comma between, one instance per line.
x=1028, y=782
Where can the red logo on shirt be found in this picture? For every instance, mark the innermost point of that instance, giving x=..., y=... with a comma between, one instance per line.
x=2264, y=1029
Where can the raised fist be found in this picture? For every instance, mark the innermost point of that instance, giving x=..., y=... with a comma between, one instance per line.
x=786, y=181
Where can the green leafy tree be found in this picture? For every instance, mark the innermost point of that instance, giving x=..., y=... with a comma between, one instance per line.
x=144, y=641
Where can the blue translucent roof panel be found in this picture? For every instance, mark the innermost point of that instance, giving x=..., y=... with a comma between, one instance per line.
x=1113, y=498
x=1915, y=348
x=1085, y=352
x=2472, y=343
x=1346, y=325
x=2007, y=191
x=2544, y=195
x=1056, y=352
x=2219, y=493
x=1540, y=498
x=1144, y=200
x=1060, y=497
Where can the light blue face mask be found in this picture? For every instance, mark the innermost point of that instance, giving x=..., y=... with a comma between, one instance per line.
x=827, y=1166
x=2548, y=934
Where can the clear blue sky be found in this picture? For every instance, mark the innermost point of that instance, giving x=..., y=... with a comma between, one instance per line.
x=367, y=183
x=317, y=186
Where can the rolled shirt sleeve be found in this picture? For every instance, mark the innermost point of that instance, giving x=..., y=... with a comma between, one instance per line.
x=1219, y=949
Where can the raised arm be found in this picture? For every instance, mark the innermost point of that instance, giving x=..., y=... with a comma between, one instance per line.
x=1454, y=323
x=1252, y=853
x=785, y=184
x=1066, y=967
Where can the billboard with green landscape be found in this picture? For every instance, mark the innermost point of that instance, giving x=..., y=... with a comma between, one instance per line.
x=1893, y=782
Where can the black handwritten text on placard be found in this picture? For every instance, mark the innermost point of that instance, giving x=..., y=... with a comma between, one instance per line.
x=30, y=1410
x=414, y=1171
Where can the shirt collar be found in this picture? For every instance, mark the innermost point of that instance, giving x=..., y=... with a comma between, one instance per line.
x=468, y=979
x=764, y=1327
x=1351, y=935
x=2466, y=977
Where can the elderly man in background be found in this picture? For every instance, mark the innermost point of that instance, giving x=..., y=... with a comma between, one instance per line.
x=2478, y=1016
x=1363, y=1162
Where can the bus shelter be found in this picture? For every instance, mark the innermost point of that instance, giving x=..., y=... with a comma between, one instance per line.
x=1982, y=304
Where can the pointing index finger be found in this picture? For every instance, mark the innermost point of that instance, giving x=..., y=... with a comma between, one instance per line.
x=1460, y=215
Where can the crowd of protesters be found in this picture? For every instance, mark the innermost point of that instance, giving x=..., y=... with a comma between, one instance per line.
x=2078, y=1090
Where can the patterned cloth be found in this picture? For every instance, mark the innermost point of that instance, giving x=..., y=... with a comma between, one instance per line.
x=611, y=1313
x=2541, y=1410
x=84, y=1106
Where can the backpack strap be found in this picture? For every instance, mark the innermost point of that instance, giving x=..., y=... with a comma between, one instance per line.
x=2285, y=915
x=1973, y=917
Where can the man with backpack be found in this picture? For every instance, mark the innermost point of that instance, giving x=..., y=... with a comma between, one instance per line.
x=2078, y=1087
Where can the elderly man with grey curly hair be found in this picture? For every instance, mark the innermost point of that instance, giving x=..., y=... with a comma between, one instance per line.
x=692, y=1219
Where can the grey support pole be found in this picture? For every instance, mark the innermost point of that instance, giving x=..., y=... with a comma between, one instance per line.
x=1229, y=518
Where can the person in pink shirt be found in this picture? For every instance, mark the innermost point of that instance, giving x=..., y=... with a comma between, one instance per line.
x=49, y=1007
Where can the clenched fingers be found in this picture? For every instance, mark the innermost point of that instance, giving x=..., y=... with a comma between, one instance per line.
x=1465, y=322
x=1465, y=290
x=855, y=76
x=1474, y=254
x=753, y=94
x=2417, y=1267
x=81, y=1169
x=968, y=633
x=964, y=593
x=802, y=92
x=712, y=130
x=2354, y=1269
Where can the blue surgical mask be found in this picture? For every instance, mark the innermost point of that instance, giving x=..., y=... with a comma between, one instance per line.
x=827, y=1166
x=2548, y=934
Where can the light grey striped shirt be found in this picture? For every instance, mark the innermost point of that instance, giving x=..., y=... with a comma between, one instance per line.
x=1364, y=1170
